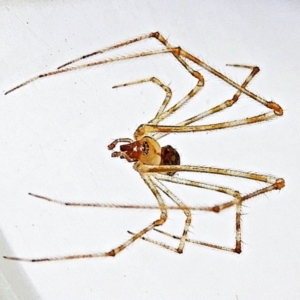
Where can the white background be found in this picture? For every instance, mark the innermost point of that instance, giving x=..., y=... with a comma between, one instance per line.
x=55, y=132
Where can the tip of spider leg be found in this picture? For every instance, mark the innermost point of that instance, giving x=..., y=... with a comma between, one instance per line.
x=9, y=91
x=117, y=86
x=11, y=257
x=37, y=196
x=64, y=65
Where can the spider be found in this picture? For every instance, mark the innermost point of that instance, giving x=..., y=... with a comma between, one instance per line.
x=157, y=164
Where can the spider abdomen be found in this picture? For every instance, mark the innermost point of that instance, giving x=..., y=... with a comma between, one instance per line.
x=169, y=156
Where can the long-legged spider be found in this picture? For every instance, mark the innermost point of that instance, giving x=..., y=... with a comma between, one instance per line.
x=156, y=164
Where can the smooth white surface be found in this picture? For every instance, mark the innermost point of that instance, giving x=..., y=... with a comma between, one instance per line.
x=55, y=132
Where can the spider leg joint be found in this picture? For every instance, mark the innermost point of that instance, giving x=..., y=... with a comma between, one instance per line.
x=280, y=183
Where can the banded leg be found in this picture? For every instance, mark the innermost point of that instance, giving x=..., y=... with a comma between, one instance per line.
x=115, y=251
x=180, y=55
x=156, y=81
x=183, y=207
x=238, y=236
x=103, y=50
x=237, y=199
x=162, y=40
x=218, y=108
x=158, y=169
x=110, y=205
x=147, y=129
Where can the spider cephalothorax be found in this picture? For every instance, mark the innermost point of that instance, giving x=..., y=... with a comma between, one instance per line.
x=147, y=151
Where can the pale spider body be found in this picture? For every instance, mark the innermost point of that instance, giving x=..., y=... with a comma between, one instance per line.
x=157, y=164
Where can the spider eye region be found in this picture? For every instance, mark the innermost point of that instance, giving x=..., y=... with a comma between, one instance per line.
x=145, y=148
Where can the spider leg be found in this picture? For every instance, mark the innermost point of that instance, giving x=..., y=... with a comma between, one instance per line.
x=154, y=186
x=115, y=251
x=116, y=46
x=183, y=207
x=112, y=145
x=238, y=240
x=63, y=68
x=236, y=249
x=182, y=126
x=269, y=104
x=110, y=205
x=145, y=129
x=159, y=117
x=159, y=83
x=220, y=107
x=180, y=54
x=274, y=183
x=155, y=35
x=237, y=200
x=88, y=65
